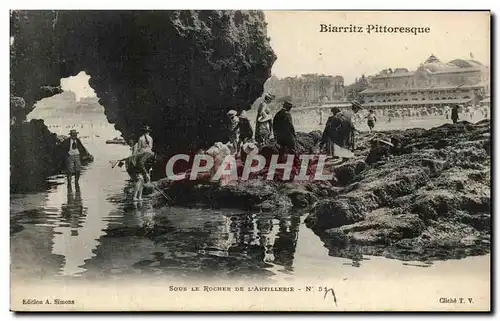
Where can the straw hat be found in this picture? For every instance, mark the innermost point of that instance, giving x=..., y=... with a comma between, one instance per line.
x=250, y=148
x=146, y=128
x=268, y=96
x=288, y=103
x=357, y=104
x=232, y=113
x=73, y=131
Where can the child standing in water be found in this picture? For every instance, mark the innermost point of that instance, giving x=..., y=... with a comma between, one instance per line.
x=371, y=119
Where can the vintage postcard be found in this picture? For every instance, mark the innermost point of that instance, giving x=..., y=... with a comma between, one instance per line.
x=250, y=160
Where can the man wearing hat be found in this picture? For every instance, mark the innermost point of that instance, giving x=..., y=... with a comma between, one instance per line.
x=145, y=142
x=283, y=129
x=356, y=106
x=264, y=121
x=72, y=150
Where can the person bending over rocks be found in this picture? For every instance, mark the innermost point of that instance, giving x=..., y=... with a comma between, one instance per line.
x=138, y=167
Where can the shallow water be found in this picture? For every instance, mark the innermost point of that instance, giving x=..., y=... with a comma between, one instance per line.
x=97, y=233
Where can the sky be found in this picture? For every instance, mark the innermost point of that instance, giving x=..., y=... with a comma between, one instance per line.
x=301, y=48
x=78, y=84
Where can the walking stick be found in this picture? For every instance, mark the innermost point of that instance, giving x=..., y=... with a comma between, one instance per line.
x=161, y=192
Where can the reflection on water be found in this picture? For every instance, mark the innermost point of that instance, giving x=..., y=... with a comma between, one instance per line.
x=194, y=243
x=95, y=232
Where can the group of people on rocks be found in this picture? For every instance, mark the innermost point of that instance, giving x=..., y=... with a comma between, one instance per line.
x=339, y=129
x=337, y=137
x=280, y=126
x=138, y=163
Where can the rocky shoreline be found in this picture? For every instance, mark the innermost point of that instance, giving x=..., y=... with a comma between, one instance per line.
x=425, y=198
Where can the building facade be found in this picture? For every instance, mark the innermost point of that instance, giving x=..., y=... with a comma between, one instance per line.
x=308, y=89
x=433, y=83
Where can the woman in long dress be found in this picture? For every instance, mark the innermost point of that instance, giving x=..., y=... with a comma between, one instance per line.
x=339, y=131
x=329, y=133
x=264, y=121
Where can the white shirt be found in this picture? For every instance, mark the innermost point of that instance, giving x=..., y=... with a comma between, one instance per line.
x=134, y=148
x=145, y=143
x=71, y=150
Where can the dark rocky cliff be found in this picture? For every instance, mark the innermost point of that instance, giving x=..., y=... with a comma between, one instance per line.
x=177, y=71
x=33, y=156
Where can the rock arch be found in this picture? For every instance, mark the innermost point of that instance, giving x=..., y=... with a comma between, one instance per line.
x=178, y=71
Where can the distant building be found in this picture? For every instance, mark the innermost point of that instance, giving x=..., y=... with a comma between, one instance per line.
x=308, y=89
x=353, y=90
x=434, y=83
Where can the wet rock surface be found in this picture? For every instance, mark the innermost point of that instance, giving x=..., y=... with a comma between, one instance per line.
x=260, y=194
x=429, y=198
x=417, y=202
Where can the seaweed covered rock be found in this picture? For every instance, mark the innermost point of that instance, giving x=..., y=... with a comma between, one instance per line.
x=428, y=199
x=306, y=144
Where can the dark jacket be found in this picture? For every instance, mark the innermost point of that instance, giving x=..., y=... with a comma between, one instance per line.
x=246, y=131
x=454, y=113
x=64, y=147
x=340, y=130
x=283, y=128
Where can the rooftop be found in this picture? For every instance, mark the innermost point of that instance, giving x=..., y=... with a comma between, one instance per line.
x=417, y=102
x=434, y=65
x=429, y=88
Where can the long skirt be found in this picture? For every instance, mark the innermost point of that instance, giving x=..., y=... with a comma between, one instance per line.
x=262, y=133
x=330, y=148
